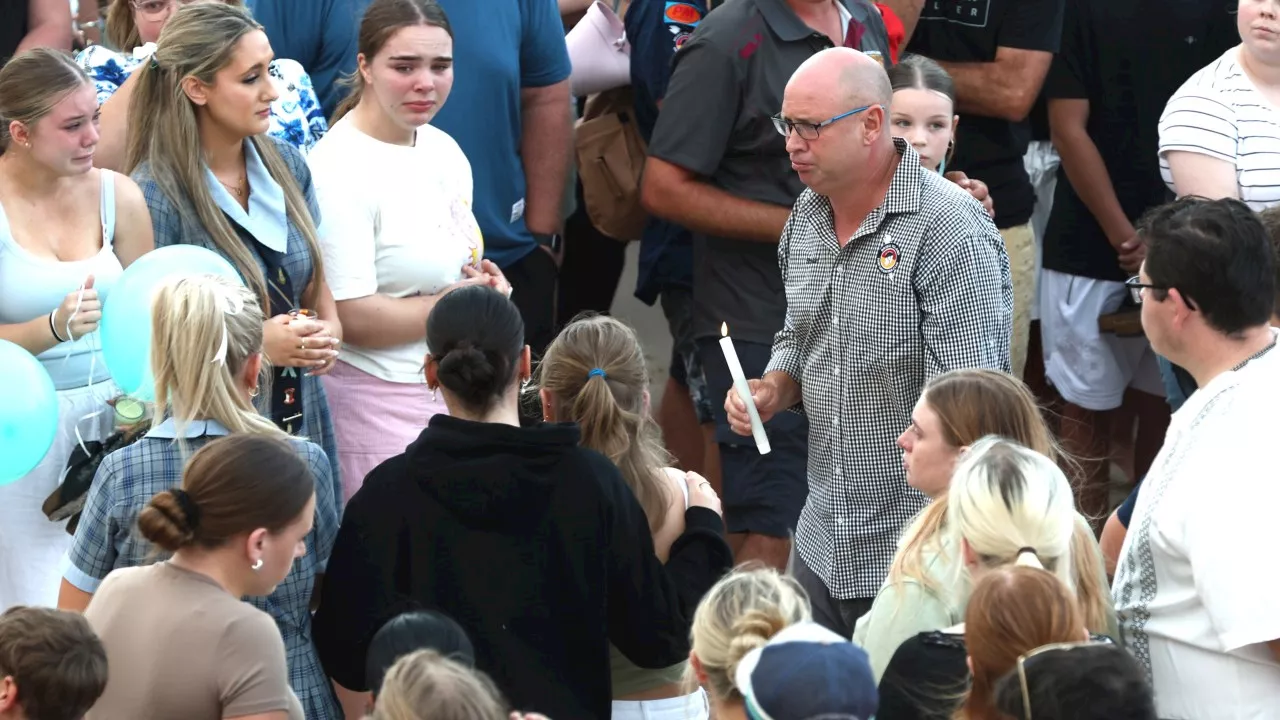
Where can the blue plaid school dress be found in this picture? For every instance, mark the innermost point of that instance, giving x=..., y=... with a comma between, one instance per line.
x=106, y=540
x=176, y=224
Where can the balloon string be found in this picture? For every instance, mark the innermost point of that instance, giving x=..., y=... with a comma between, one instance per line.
x=93, y=365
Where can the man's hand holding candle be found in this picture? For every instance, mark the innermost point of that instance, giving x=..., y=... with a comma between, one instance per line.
x=772, y=394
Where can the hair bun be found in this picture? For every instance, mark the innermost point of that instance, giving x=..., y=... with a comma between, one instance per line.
x=166, y=523
x=469, y=373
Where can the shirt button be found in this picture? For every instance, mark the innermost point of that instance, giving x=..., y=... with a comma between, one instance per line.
x=839, y=521
x=836, y=370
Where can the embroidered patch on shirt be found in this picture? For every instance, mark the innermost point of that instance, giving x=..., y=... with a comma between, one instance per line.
x=683, y=13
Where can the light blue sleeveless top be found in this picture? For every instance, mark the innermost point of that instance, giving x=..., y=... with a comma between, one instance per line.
x=32, y=286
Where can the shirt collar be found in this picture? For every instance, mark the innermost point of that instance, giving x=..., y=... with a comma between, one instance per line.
x=904, y=191
x=168, y=430
x=267, y=218
x=784, y=23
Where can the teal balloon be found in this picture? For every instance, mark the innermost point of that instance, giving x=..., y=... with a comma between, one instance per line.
x=28, y=412
x=126, y=312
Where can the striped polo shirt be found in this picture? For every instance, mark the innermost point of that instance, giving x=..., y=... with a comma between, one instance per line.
x=1219, y=112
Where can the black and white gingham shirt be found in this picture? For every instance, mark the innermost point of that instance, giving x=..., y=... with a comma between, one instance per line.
x=923, y=287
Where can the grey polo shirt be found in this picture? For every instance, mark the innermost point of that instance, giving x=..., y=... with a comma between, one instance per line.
x=726, y=82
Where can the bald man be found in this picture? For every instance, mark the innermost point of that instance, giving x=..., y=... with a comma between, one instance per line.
x=893, y=275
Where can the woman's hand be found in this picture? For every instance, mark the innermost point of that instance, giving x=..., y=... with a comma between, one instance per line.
x=288, y=342
x=312, y=330
x=489, y=269
x=79, y=313
x=701, y=493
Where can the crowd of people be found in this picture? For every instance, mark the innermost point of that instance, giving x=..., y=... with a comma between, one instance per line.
x=945, y=281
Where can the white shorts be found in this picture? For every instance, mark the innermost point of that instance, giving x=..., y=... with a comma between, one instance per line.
x=1090, y=368
x=693, y=706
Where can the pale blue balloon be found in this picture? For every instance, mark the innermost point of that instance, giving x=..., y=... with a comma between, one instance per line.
x=126, y=313
x=28, y=412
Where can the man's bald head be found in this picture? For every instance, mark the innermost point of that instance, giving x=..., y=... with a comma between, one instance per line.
x=844, y=74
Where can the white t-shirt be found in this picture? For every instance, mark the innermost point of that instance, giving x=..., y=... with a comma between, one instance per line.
x=397, y=221
x=1197, y=589
x=1218, y=112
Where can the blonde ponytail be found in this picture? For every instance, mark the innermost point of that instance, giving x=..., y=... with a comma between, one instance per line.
x=204, y=331
x=596, y=373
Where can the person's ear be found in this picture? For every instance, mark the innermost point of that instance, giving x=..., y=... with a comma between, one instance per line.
x=646, y=405
x=968, y=661
x=251, y=372
x=698, y=671
x=876, y=119
x=966, y=552
x=20, y=133
x=8, y=694
x=431, y=370
x=196, y=91
x=548, y=405
x=256, y=546
x=955, y=125
x=363, y=64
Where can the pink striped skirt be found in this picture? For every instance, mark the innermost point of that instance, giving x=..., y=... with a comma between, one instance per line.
x=374, y=419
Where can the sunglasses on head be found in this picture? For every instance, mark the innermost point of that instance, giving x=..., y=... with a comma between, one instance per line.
x=1054, y=647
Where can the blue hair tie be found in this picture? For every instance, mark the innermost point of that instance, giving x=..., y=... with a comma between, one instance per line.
x=597, y=372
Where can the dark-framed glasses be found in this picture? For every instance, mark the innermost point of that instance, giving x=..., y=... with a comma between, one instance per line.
x=1135, y=286
x=809, y=131
x=1055, y=647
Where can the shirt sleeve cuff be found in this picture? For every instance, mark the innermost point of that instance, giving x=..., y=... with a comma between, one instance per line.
x=81, y=580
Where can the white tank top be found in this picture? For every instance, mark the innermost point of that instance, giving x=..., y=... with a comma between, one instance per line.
x=32, y=287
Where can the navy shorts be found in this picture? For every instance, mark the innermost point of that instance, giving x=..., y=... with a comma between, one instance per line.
x=761, y=494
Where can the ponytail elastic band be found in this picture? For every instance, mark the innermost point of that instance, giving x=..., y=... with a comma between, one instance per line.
x=189, y=507
x=1024, y=550
x=597, y=372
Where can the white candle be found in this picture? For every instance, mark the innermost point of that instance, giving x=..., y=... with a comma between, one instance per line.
x=744, y=390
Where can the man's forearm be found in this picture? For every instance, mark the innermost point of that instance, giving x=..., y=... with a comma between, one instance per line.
x=704, y=208
x=991, y=89
x=545, y=145
x=1089, y=178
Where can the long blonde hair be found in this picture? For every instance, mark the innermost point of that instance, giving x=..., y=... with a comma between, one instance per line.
x=739, y=614
x=193, y=320
x=596, y=372
x=1013, y=506
x=971, y=404
x=198, y=41
x=423, y=685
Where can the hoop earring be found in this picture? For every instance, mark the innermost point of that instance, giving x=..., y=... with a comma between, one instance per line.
x=256, y=566
x=253, y=392
x=433, y=394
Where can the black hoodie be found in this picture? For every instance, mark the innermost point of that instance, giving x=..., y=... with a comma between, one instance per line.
x=534, y=545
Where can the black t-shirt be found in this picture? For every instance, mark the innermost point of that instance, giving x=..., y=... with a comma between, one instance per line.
x=14, y=15
x=1127, y=77
x=726, y=83
x=991, y=149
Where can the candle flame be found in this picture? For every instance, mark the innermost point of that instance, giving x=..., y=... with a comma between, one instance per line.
x=724, y=329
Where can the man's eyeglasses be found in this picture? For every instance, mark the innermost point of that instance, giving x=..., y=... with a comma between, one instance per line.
x=809, y=131
x=1135, y=286
x=1022, y=667
x=155, y=9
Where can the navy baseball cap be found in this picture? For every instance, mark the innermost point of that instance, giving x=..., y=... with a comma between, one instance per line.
x=807, y=672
